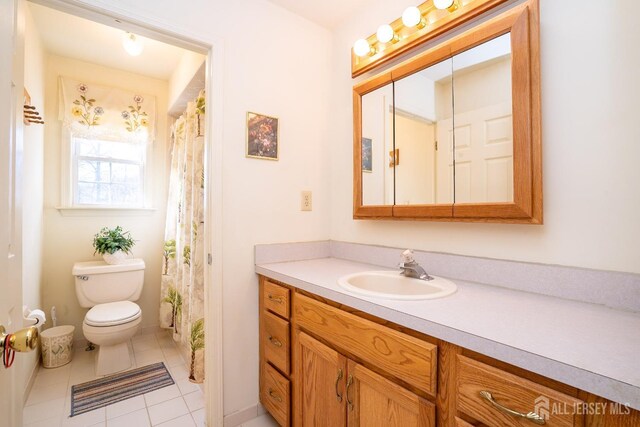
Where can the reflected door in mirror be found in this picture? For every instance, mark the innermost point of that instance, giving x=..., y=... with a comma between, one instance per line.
x=483, y=123
x=422, y=128
x=377, y=143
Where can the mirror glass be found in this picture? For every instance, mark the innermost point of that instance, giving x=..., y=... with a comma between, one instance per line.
x=443, y=134
x=423, y=155
x=483, y=123
x=453, y=132
x=377, y=143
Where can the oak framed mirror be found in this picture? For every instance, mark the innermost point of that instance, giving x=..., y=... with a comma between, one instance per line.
x=453, y=133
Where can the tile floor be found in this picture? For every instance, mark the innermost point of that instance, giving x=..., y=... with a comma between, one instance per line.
x=262, y=421
x=180, y=405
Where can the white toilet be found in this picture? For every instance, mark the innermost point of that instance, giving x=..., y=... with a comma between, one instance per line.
x=114, y=318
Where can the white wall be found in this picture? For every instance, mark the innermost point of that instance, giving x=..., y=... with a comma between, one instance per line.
x=32, y=182
x=279, y=64
x=70, y=238
x=590, y=95
x=185, y=69
x=275, y=63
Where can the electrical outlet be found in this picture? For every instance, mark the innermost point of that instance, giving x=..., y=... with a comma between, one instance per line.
x=306, y=202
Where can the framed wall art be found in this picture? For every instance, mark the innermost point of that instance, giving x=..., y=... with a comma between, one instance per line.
x=262, y=136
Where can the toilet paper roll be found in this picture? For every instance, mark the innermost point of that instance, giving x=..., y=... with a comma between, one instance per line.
x=36, y=318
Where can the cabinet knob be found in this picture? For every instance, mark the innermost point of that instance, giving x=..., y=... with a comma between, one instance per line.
x=275, y=341
x=277, y=300
x=274, y=395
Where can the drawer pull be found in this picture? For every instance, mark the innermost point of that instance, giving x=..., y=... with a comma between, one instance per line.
x=338, y=378
x=274, y=396
x=278, y=300
x=531, y=416
x=349, y=401
x=275, y=341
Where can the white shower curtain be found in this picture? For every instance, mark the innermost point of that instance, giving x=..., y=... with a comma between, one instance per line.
x=182, y=292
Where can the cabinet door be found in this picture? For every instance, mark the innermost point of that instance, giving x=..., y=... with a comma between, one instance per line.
x=375, y=401
x=320, y=384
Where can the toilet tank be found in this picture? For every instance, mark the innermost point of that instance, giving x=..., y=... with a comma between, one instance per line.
x=98, y=282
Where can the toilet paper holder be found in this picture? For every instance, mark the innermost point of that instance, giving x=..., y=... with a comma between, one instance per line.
x=33, y=317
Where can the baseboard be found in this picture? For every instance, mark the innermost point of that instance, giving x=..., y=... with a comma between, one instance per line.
x=261, y=409
x=243, y=415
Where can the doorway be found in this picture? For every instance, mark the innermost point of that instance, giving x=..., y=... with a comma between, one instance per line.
x=20, y=379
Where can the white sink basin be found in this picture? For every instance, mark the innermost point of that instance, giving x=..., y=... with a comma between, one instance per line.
x=393, y=285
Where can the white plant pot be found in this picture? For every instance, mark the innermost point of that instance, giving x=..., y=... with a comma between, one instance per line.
x=118, y=257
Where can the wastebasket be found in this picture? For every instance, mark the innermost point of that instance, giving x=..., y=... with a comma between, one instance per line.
x=57, y=346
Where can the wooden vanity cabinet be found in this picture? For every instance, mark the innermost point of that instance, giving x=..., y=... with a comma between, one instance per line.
x=275, y=348
x=373, y=400
x=406, y=358
x=332, y=390
x=324, y=364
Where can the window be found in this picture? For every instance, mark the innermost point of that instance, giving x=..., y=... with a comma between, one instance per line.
x=107, y=136
x=108, y=173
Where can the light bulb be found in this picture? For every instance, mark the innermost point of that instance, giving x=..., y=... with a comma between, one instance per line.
x=132, y=44
x=411, y=16
x=385, y=33
x=442, y=4
x=361, y=47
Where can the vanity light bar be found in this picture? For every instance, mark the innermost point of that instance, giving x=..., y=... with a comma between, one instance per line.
x=417, y=25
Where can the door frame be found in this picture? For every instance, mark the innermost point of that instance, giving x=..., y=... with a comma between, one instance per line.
x=214, y=50
x=11, y=153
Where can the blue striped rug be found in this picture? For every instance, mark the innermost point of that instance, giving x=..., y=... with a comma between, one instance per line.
x=95, y=394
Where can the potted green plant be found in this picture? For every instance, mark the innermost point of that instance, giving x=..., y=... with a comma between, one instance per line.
x=113, y=244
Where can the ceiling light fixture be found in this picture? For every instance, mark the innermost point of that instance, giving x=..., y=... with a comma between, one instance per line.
x=445, y=4
x=416, y=25
x=132, y=44
x=385, y=34
x=412, y=17
x=362, y=48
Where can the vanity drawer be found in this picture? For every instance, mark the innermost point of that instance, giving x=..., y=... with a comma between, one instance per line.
x=403, y=356
x=276, y=298
x=275, y=341
x=275, y=394
x=511, y=393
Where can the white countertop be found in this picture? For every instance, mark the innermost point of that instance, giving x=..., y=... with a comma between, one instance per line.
x=588, y=346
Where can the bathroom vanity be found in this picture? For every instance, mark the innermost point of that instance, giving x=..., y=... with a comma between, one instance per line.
x=329, y=357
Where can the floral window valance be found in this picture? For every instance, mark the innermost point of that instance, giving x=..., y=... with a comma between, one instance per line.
x=89, y=110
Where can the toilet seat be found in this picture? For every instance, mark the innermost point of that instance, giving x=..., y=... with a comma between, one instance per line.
x=113, y=314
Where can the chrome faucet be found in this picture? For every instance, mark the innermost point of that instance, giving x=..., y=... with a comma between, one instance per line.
x=410, y=268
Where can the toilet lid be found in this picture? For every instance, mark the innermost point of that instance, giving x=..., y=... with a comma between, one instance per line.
x=112, y=313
